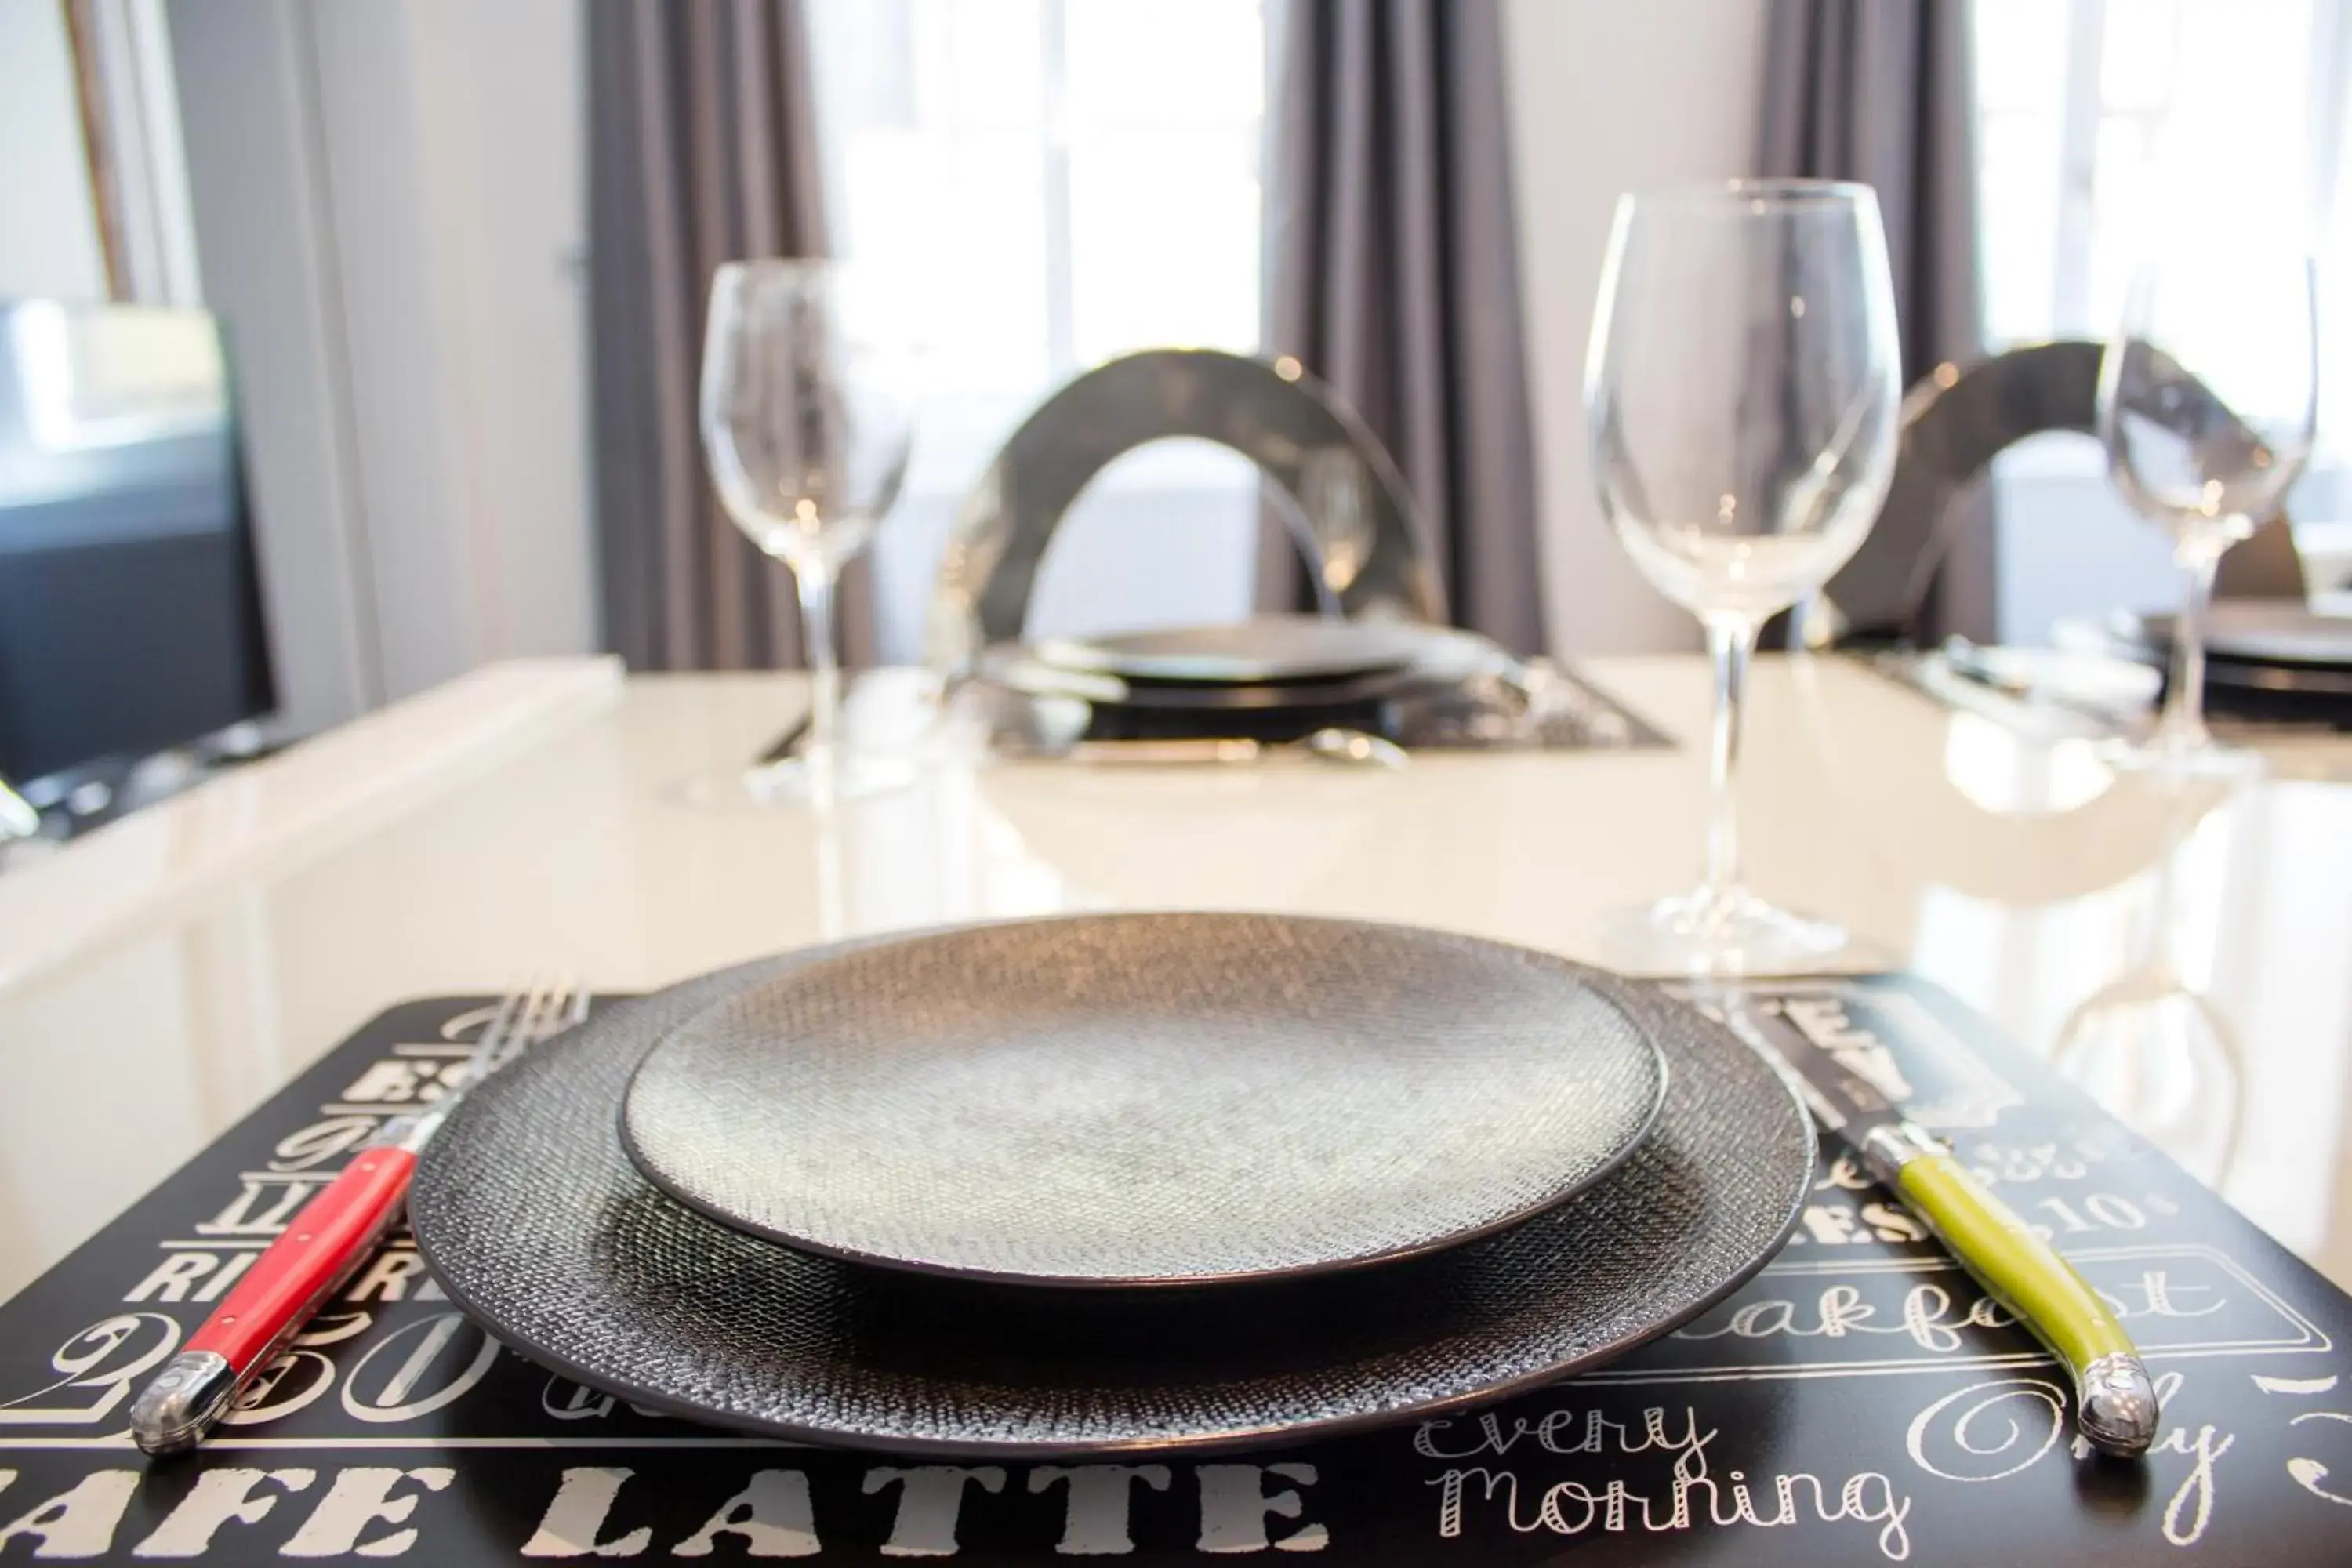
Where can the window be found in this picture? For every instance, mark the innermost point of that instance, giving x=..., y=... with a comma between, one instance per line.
x=2099, y=120
x=107, y=378
x=1048, y=183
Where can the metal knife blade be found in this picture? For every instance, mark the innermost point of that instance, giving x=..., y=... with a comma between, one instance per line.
x=1852, y=1088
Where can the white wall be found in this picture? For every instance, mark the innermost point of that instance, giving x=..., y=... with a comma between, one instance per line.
x=1606, y=96
x=48, y=225
x=257, y=196
x=389, y=206
x=455, y=152
x=504, y=111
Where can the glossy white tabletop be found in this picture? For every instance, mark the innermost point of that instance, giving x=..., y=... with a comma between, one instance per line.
x=161, y=977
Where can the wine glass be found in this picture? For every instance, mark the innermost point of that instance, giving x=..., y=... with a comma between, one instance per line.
x=2209, y=401
x=1741, y=397
x=807, y=419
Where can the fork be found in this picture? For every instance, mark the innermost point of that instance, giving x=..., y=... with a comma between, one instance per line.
x=325, y=1244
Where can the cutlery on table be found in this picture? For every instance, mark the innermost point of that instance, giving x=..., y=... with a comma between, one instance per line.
x=1857, y=1095
x=788, y=744
x=1347, y=747
x=2112, y=694
x=324, y=1245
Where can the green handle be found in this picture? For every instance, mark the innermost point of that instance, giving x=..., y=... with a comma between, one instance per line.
x=2115, y=1399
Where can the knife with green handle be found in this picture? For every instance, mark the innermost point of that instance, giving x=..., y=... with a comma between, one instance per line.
x=2115, y=1399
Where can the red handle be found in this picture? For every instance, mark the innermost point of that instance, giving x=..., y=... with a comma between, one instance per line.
x=334, y=1232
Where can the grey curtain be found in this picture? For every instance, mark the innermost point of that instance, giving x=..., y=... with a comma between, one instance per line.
x=1879, y=91
x=702, y=149
x=1392, y=275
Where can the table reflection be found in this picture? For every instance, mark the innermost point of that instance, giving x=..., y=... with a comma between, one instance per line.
x=2175, y=947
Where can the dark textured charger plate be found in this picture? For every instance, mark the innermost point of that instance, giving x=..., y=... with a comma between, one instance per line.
x=1163, y=1099
x=537, y=1224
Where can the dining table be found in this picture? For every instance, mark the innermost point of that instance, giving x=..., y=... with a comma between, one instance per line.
x=2030, y=920
x=2183, y=950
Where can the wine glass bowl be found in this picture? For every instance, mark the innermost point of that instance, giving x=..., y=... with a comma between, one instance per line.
x=1742, y=388
x=807, y=420
x=1742, y=394
x=2208, y=407
x=2181, y=458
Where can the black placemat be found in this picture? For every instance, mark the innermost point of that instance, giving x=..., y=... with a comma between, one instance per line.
x=1856, y=1402
x=636, y=1294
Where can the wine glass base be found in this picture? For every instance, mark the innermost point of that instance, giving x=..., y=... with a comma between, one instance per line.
x=794, y=783
x=1713, y=933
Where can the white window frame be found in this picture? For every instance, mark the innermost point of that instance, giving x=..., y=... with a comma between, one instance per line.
x=2058, y=511
x=2075, y=235
x=1170, y=489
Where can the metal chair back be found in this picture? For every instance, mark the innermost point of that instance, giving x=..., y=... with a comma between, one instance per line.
x=1954, y=422
x=1350, y=512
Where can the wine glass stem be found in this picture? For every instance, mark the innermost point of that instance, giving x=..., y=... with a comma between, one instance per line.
x=1730, y=640
x=815, y=585
x=2183, y=724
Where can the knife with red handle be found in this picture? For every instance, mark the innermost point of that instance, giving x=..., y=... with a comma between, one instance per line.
x=335, y=1233
x=321, y=1248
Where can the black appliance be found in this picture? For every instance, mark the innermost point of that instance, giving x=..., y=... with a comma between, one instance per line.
x=131, y=618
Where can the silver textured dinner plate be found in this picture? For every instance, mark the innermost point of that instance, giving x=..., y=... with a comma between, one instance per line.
x=1146, y=1099
x=536, y=1223
x=1438, y=660
x=1267, y=650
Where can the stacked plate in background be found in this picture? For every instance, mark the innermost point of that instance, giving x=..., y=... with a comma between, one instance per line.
x=1279, y=678
x=2273, y=659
